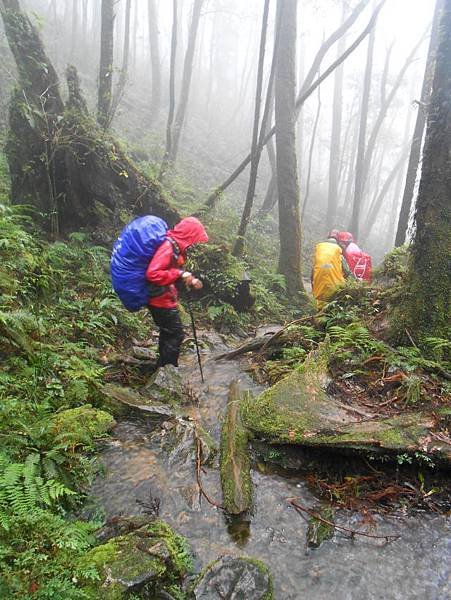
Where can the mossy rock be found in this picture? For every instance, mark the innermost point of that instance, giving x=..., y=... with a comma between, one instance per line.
x=145, y=561
x=298, y=410
x=123, y=400
x=81, y=425
x=230, y=577
x=235, y=460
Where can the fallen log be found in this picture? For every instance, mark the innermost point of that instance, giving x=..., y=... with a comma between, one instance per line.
x=236, y=479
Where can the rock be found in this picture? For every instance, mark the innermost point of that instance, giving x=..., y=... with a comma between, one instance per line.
x=235, y=578
x=125, y=397
x=298, y=410
x=235, y=461
x=144, y=353
x=181, y=439
x=166, y=386
x=142, y=562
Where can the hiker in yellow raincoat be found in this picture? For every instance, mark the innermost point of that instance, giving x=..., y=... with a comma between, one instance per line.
x=329, y=268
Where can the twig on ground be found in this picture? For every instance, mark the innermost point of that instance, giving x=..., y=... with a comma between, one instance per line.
x=351, y=532
x=198, y=475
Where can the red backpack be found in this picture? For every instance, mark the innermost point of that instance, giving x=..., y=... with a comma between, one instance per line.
x=359, y=264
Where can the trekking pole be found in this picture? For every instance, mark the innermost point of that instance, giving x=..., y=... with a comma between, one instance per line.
x=190, y=310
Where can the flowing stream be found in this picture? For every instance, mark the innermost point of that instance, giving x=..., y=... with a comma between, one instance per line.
x=144, y=471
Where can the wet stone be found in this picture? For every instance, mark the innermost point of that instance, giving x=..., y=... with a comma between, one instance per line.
x=144, y=353
x=128, y=398
x=165, y=385
x=235, y=578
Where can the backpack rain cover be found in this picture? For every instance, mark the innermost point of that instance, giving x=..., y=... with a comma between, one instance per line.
x=130, y=258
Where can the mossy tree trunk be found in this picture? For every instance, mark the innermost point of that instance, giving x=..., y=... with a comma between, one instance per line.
x=287, y=176
x=61, y=163
x=429, y=270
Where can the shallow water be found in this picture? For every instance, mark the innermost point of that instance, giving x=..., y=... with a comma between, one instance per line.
x=139, y=468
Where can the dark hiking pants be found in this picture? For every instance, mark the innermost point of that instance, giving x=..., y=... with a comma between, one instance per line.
x=171, y=334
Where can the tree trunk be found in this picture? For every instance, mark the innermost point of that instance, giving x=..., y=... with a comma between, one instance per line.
x=359, y=168
x=415, y=151
x=74, y=32
x=386, y=100
x=168, y=151
x=155, y=102
x=84, y=21
x=120, y=88
x=287, y=176
x=186, y=80
x=429, y=281
x=256, y=150
x=310, y=155
x=106, y=64
x=376, y=206
x=335, y=138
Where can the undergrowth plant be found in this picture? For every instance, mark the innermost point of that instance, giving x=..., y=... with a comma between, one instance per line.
x=57, y=316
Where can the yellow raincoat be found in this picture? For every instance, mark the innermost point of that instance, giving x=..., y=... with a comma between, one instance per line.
x=327, y=271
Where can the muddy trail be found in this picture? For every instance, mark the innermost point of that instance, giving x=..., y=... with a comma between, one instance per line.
x=150, y=468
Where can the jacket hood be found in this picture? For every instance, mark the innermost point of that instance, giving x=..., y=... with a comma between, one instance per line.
x=188, y=232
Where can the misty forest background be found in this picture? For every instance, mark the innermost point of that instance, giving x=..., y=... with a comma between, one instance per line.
x=273, y=121
x=354, y=133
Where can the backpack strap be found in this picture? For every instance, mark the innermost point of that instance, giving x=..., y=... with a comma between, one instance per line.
x=175, y=248
x=159, y=290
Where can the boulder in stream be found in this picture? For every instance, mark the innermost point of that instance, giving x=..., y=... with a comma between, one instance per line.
x=145, y=561
x=298, y=410
x=235, y=578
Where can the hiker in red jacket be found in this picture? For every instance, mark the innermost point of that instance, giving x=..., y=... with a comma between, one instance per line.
x=163, y=273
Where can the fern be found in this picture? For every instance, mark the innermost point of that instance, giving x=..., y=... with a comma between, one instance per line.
x=24, y=490
x=15, y=328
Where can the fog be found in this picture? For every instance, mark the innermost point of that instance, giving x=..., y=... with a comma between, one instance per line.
x=217, y=129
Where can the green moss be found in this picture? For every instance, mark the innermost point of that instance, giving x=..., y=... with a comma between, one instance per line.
x=81, y=425
x=179, y=550
x=318, y=531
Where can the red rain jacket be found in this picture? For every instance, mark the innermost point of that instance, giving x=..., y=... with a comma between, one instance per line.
x=165, y=267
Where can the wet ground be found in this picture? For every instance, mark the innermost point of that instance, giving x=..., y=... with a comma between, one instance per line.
x=144, y=472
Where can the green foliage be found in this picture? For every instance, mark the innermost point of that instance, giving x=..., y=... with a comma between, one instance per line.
x=394, y=266
x=57, y=316
x=23, y=490
x=4, y=176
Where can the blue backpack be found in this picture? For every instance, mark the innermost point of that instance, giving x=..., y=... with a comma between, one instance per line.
x=131, y=255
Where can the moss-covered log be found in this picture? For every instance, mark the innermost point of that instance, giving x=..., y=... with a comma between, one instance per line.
x=235, y=461
x=61, y=163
